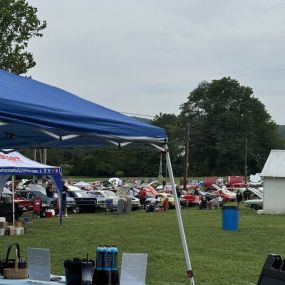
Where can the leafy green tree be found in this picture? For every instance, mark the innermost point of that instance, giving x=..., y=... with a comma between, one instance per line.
x=18, y=24
x=226, y=122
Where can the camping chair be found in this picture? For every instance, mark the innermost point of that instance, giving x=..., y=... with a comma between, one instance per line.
x=109, y=205
x=27, y=219
x=214, y=203
x=133, y=269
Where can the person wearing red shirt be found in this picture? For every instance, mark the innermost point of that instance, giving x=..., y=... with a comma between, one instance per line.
x=142, y=197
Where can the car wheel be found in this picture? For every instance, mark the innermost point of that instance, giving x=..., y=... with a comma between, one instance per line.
x=76, y=210
x=255, y=207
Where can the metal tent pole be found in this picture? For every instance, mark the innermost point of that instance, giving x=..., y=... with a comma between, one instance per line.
x=179, y=218
x=13, y=198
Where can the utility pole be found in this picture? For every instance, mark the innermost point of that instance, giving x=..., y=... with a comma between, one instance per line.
x=245, y=159
x=186, y=158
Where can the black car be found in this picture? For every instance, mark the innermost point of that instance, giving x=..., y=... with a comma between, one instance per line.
x=83, y=201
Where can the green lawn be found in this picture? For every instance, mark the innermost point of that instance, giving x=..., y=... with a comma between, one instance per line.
x=218, y=257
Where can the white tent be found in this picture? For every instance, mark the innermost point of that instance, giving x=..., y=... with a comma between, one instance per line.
x=13, y=163
x=273, y=174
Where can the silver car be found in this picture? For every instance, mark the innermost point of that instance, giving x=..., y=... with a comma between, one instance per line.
x=257, y=202
x=254, y=204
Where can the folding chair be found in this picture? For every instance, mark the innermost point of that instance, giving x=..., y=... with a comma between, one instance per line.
x=133, y=269
x=214, y=203
x=27, y=219
x=109, y=205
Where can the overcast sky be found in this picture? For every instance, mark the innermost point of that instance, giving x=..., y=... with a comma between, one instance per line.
x=146, y=56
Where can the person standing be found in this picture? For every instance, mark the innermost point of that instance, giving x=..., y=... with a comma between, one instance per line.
x=131, y=192
x=246, y=194
x=142, y=197
x=238, y=197
x=49, y=190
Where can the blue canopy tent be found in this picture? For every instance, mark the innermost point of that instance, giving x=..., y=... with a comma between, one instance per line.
x=55, y=118
x=37, y=115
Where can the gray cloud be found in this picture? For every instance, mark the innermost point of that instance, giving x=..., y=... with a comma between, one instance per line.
x=146, y=56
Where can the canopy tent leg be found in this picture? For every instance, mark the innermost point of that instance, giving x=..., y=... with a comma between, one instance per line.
x=179, y=218
x=13, y=198
x=58, y=182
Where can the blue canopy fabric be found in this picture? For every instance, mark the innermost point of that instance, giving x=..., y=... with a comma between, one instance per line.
x=34, y=114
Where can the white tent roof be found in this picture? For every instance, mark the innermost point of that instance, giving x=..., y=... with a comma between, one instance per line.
x=15, y=159
x=275, y=164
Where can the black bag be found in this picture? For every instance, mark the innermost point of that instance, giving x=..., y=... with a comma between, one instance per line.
x=10, y=262
x=273, y=271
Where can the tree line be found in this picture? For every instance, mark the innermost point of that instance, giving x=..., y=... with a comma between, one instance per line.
x=222, y=127
x=230, y=133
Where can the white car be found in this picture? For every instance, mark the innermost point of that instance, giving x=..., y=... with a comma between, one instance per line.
x=255, y=204
x=104, y=195
x=72, y=187
x=135, y=202
x=115, y=181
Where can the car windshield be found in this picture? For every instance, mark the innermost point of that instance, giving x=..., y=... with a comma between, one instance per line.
x=37, y=187
x=95, y=193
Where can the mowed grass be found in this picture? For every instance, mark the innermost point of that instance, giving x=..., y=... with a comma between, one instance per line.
x=218, y=257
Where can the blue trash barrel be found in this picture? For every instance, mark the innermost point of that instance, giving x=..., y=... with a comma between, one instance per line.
x=230, y=218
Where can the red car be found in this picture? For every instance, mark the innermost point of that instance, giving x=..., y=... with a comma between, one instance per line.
x=236, y=181
x=23, y=203
x=226, y=196
x=190, y=199
x=209, y=181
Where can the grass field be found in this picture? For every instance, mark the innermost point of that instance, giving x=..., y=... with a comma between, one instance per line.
x=218, y=257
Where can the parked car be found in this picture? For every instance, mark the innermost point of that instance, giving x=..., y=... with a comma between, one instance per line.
x=70, y=204
x=101, y=199
x=209, y=181
x=170, y=198
x=135, y=202
x=23, y=203
x=47, y=202
x=224, y=193
x=256, y=200
x=191, y=199
x=235, y=181
x=254, y=204
x=83, y=201
x=150, y=199
x=105, y=194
